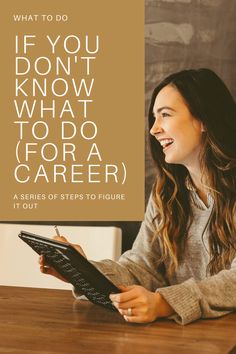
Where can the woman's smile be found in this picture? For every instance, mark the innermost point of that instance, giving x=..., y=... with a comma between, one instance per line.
x=166, y=143
x=176, y=129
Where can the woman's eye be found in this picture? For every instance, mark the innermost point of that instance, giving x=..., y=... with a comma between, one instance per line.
x=165, y=114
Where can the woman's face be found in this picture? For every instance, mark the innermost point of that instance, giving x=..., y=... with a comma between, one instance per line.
x=175, y=128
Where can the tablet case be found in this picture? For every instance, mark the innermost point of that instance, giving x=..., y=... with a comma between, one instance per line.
x=74, y=267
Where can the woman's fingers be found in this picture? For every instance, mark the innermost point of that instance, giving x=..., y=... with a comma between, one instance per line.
x=44, y=267
x=136, y=304
x=47, y=269
x=60, y=238
x=77, y=247
x=125, y=305
x=129, y=293
x=42, y=261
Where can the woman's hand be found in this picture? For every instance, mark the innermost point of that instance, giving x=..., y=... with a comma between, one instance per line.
x=139, y=305
x=46, y=269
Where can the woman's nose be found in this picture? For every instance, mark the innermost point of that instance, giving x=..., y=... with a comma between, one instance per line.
x=156, y=128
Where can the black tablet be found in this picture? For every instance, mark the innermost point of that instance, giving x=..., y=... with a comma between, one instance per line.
x=75, y=268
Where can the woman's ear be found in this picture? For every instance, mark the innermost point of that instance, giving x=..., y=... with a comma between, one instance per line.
x=203, y=129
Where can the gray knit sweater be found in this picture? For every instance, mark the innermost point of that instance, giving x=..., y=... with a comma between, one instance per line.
x=190, y=292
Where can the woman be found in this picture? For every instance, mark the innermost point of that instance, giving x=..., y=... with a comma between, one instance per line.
x=183, y=261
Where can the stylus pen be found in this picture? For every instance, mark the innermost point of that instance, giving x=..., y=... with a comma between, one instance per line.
x=57, y=231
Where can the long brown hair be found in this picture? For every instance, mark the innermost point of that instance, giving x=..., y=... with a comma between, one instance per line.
x=209, y=101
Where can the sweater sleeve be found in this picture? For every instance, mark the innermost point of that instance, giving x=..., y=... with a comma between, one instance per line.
x=137, y=265
x=211, y=297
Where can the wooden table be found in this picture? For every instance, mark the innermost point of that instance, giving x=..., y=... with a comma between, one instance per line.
x=50, y=321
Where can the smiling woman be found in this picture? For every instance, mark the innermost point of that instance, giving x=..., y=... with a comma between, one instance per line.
x=183, y=261
x=204, y=154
